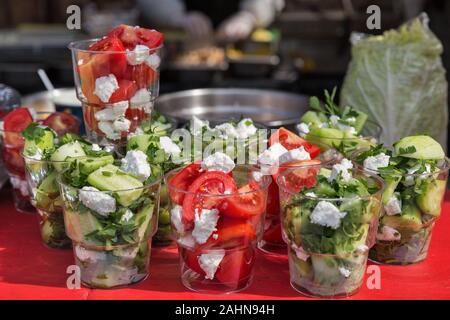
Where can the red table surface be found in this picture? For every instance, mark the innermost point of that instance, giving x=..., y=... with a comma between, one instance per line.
x=28, y=270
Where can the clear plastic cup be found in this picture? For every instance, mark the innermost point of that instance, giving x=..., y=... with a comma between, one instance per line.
x=326, y=262
x=369, y=136
x=42, y=177
x=12, y=145
x=224, y=261
x=106, y=80
x=272, y=241
x=112, y=252
x=410, y=232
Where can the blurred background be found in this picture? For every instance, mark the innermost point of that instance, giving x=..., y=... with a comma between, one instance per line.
x=298, y=45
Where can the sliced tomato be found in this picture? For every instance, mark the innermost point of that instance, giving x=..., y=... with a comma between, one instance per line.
x=132, y=36
x=291, y=141
x=62, y=123
x=236, y=267
x=231, y=233
x=300, y=178
x=200, y=191
x=142, y=75
x=293, y=164
x=114, y=62
x=273, y=200
x=17, y=120
x=126, y=91
x=249, y=203
x=88, y=81
x=190, y=257
x=182, y=180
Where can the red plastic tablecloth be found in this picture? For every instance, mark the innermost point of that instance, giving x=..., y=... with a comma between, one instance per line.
x=28, y=270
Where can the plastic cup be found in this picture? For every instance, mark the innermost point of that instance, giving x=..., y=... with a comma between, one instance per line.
x=133, y=93
x=45, y=196
x=225, y=262
x=337, y=269
x=272, y=241
x=411, y=238
x=12, y=145
x=112, y=260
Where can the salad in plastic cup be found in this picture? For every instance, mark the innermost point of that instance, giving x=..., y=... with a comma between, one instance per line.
x=415, y=175
x=327, y=213
x=117, y=81
x=160, y=149
x=286, y=150
x=12, y=142
x=46, y=155
x=330, y=126
x=111, y=215
x=217, y=213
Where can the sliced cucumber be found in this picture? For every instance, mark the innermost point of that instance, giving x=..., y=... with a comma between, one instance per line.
x=360, y=119
x=111, y=178
x=410, y=219
x=429, y=201
x=311, y=117
x=391, y=183
x=44, y=143
x=90, y=164
x=79, y=225
x=139, y=142
x=69, y=150
x=325, y=138
x=419, y=147
x=326, y=270
x=142, y=221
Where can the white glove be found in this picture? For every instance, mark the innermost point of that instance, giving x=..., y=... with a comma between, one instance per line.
x=197, y=25
x=238, y=26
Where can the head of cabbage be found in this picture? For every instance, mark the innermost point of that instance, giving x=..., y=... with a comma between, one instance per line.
x=398, y=79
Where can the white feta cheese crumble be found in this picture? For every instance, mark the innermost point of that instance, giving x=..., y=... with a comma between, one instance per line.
x=341, y=169
x=153, y=61
x=209, y=262
x=218, y=162
x=299, y=154
x=344, y=271
x=186, y=241
x=327, y=214
x=122, y=124
x=205, y=224
x=20, y=184
x=362, y=248
x=135, y=163
x=272, y=155
x=245, y=128
x=394, y=206
x=96, y=147
x=126, y=217
x=138, y=55
x=311, y=194
x=227, y=131
x=100, y=202
x=105, y=87
x=335, y=121
x=303, y=129
x=389, y=234
x=169, y=146
x=141, y=97
x=107, y=128
x=374, y=162
x=197, y=125
x=117, y=110
x=257, y=176
x=175, y=217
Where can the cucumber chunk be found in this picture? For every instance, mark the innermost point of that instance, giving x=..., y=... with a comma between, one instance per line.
x=410, y=218
x=311, y=117
x=142, y=221
x=325, y=138
x=360, y=119
x=69, y=150
x=425, y=148
x=139, y=142
x=90, y=164
x=44, y=143
x=79, y=225
x=326, y=270
x=431, y=198
x=391, y=183
x=111, y=178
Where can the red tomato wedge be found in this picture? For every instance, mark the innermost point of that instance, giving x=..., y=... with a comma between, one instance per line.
x=231, y=233
x=190, y=257
x=142, y=75
x=126, y=91
x=292, y=164
x=301, y=178
x=114, y=62
x=291, y=141
x=182, y=180
x=62, y=123
x=132, y=36
x=249, y=203
x=200, y=191
x=236, y=267
x=17, y=120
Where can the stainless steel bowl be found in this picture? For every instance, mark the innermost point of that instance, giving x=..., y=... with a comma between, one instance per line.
x=268, y=107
